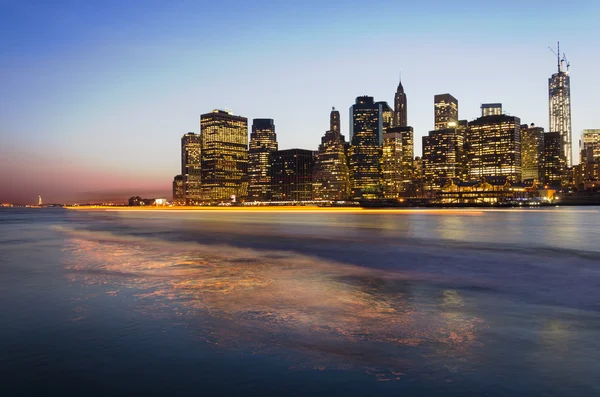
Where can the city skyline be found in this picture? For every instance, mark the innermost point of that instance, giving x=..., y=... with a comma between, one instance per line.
x=67, y=136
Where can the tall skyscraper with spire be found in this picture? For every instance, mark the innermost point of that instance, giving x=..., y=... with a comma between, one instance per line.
x=559, y=95
x=400, y=119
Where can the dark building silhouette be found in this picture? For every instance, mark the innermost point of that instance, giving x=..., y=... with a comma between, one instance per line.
x=331, y=176
x=291, y=175
x=445, y=108
x=191, y=168
x=532, y=152
x=366, y=138
x=495, y=147
x=178, y=192
x=554, y=160
x=224, y=138
x=400, y=112
x=263, y=142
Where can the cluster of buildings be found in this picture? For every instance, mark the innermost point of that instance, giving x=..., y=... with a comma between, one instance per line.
x=491, y=159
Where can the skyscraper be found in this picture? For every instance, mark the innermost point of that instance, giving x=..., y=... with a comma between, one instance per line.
x=402, y=139
x=532, y=152
x=554, y=160
x=441, y=156
x=331, y=179
x=559, y=94
x=263, y=142
x=445, y=111
x=191, y=167
x=590, y=146
x=387, y=115
x=291, y=175
x=366, y=137
x=224, y=140
x=495, y=147
x=400, y=117
x=391, y=164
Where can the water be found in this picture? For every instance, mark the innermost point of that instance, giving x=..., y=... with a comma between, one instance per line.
x=447, y=302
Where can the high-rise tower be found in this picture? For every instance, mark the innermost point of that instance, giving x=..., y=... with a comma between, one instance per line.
x=191, y=168
x=559, y=95
x=263, y=142
x=400, y=119
x=445, y=111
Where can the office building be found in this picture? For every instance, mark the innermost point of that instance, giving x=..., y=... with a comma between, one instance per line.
x=291, y=175
x=191, y=168
x=400, y=110
x=391, y=164
x=331, y=176
x=445, y=111
x=366, y=138
x=442, y=152
x=401, y=138
x=224, y=138
x=491, y=109
x=559, y=95
x=178, y=191
x=495, y=147
x=554, y=160
x=387, y=115
x=590, y=146
x=263, y=142
x=532, y=153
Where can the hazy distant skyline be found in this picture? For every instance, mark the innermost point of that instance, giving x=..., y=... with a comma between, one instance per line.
x=96, y=95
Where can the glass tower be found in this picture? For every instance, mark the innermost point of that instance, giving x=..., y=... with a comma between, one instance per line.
x=445, y=108
x=559, y=94
x=532, y=152
x=224, y=138
x=263, y=142
x=191, y=168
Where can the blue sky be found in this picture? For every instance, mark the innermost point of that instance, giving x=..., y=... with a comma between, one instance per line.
x=96, y=95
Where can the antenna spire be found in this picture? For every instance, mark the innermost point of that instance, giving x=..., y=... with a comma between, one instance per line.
x=558, y=56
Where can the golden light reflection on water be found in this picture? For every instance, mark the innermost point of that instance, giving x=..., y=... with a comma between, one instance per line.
x=338, y=315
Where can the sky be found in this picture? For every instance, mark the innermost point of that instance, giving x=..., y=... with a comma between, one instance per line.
x=95, y=95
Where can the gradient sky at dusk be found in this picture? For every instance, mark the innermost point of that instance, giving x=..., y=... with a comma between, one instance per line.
x=95, y=95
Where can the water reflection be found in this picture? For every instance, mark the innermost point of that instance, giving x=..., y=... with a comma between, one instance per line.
x=334, y=314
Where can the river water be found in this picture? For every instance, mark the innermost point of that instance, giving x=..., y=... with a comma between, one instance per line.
x=432, y=302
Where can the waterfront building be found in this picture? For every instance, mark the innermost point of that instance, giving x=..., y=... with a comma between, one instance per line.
x=445, y=111
x=191, y=167
x=263, y=142
x=442, y=154
x=331, y=176
x=178, y=191
x=554, y=160
x=400, y=110
x=532, y=152
x=495, y=147
x=291, y=175
x=224, y=138
x=366, y=138
x=490, y=190
x=391, y=164
x=491, y=109
x=400, y=142
x=590, y=146
x=559, y=101
x=586, y=177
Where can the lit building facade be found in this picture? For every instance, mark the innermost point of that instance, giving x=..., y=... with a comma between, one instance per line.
x=387, y=115
x=263, y=142
x=590, y=146
x=445, y=111
x=366, y=138
x=178, y=193
x=391, y=164
x=224, y=138
x=191, y=168
x=559, y=95
x=291, y=175
x=401, y=138
x=532, y=152
x=400, y=110
x=554, y=160
x=491, y=109
x=442, y=153
x=495, y=147
x=331, y=176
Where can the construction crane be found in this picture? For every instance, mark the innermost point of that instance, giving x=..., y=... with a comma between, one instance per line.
x=560, y=60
